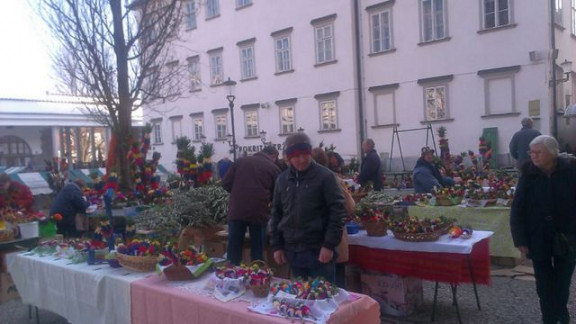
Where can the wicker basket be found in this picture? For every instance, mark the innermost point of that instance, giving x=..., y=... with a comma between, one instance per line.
x=7, y=235
x=261, y=290
x=444, y=201
x=418, y=237
x=375, y=228
x=178, y=273
x=137, y=263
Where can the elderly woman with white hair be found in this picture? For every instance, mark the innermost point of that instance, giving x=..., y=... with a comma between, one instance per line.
x=543, y=224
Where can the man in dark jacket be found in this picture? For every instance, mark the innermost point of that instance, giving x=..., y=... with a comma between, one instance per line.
x=250, y=182
x=543, y=224
x=68, y=203
x=425, y=174
x=308, y=213
x=519, y=144
x=371, y=168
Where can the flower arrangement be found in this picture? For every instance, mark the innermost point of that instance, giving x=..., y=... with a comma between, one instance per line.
x=19, y=216
x=140, y=248
x=369, y=213
x=187, y=257
x=312, y=289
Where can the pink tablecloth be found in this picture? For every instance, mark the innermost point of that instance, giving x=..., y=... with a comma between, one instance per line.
x=154, y=300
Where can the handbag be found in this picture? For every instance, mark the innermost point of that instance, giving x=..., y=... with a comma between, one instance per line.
x=81, y=222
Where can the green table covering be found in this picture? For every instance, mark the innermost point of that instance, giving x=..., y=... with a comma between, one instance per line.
x=495, y=219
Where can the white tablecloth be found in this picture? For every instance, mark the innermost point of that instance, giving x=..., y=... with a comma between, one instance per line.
x=79, y=292
x=443, y=245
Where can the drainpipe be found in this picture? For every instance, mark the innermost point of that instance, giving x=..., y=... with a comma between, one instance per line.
x=553, y=69
x=358, y=54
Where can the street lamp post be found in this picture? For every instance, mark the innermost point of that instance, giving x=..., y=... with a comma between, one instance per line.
x=230, y=85
x=263, y=138
x=567, y=70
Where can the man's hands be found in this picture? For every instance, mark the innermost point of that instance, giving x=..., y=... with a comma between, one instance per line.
x=326, y=255
x=280, y=257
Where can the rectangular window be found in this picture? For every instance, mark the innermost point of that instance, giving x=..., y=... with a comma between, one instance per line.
x=190, y=15
x=558, y=20
x=573, y=11
x=328, y=115
x=243, y=3
x=384, y=112
x=251, y=120
x=173, y=76
x=324, y=43
x=157, y=132
x=433, y=20
x=221, y=126
x=496, y=13
x=381, y=31
x=283, y=55
x=287, y=121
x=435, y=103
x=216, y=70
x=212, y=8
x=247, y=62
x=194, y=73
x=176, y=128
x=499, y=95
x=198, y=123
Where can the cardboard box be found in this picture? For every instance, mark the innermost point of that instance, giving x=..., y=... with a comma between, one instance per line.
x=215, y=249
x=7, y=288
x=6, y=257
x=397, y=295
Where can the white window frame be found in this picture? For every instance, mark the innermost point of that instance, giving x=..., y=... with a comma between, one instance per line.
x=283, y=53
x=212, y=8
x=198, y=127
x=176, y=127
x=243, y=3
x=379, y=110
x=157, y=131
x=194, y=73
x=381, y=35
x=431, y=92
x=251, y=123
x=495, y=15
x=324, y=41
x=216, y=68
x=329, y=113
x=573, y=17
x=247, y=61
x=221, y=123
x=558, y=13
x=431, y=21
x=286, y=113
x=190, y=15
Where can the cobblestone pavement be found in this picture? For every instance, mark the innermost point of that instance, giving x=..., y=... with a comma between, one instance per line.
x=506, y=301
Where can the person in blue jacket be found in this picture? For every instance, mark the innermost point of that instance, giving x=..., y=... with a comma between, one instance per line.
x=68, y=203
x=426, y=176
x=371, y=168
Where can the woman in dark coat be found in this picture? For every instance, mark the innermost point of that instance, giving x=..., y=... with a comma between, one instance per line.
x=543, y=224
x=68, y=203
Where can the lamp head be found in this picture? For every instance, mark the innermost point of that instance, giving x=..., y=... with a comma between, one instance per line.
x=566, y=66
x=230, y=86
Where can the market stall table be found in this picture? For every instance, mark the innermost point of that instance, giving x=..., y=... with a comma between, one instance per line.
x=156, y=300
x=79, y=292
x=495, y=219
x=453, y=261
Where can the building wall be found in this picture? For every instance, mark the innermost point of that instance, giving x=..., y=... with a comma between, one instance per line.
x=470, y=55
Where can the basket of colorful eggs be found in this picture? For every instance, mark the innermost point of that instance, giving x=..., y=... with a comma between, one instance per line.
x=259, y=278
